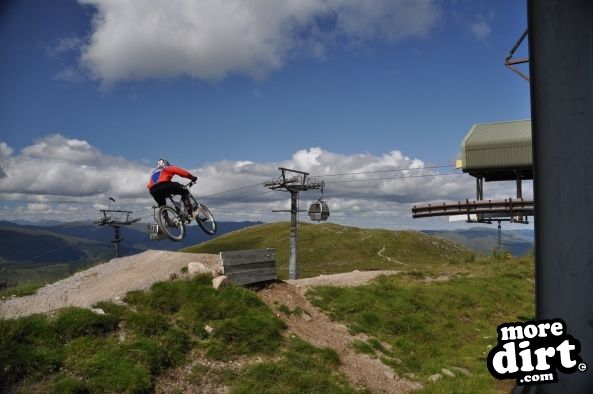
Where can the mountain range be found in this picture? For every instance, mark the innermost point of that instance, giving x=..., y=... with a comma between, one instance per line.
x=78, y=243
x=485, y=240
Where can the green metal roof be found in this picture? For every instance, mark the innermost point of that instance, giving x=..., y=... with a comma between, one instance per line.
x=493, y=147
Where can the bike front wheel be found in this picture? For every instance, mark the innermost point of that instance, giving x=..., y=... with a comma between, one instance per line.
x=170, y=223
x=205, y=219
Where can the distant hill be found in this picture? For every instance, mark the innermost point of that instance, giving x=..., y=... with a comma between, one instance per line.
x=331, y=248
x=484, y=240
x=135, y=236
x=34, y=247
x=76, y=241
x=51, y=251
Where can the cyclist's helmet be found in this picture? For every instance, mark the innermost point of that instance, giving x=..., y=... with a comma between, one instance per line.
x=162, y=163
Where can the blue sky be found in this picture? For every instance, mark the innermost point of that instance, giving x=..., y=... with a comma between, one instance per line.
x=206, y=87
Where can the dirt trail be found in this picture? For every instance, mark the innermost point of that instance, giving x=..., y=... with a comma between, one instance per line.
x=346, y=279
x=380, y=254
x=318, y=329
x=104, y=282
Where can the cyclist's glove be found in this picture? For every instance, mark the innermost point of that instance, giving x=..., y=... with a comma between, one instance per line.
x=194, y=178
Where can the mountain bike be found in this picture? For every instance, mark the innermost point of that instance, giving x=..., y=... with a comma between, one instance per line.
x=172, y=219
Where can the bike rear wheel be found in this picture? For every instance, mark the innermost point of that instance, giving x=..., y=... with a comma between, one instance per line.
x=170, y=223
x=205, y=219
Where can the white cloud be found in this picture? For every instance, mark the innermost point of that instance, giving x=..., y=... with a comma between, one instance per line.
x=69, y=179
x=480, y=29
x=58, y=166
x=64, y=44
x=38, y=207
x=134, y=40
x=70, y=74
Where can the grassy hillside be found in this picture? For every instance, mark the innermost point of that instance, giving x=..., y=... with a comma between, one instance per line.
x=422, y=322
x=221, y=339
x=331, y=248
x=440, y=312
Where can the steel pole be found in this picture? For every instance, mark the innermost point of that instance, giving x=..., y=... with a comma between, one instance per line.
x=116, y=241
x=561, y=69
x=292, y=261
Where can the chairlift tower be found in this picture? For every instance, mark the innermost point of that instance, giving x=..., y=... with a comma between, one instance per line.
x=116, y=218
x=293, y=181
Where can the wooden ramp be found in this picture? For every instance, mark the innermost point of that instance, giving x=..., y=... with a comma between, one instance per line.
x=249, y=266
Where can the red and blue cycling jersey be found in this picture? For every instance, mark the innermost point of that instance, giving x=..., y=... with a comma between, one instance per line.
x=165, y=174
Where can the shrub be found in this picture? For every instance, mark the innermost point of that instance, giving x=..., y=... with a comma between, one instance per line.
x=177, y=343
x=112, y=370
x=147, y=353
x=27, y=349
x=76, y=322
x=69, y=385
x=147, y=323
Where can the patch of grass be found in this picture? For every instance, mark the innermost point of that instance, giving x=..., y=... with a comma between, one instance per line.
x=21, y=290
x=242, y=323
x=177, y=343
x=76, y=322
x=112, y=309
x=285, y=310
x=111, y=369
x=435, y=325
x=29, y=347
x=78, y=350
x=298, y=311
x=147, y=323
x=69, y=385
x=302, y=369
x=363, y=347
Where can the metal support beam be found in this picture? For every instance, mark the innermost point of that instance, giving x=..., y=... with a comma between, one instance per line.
x=116, y=240
x=479, y=188
x=561, y=70
x=294, y=222
x=115, y=219
x=519, y=193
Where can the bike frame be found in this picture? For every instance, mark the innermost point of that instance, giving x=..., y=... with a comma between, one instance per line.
x=180, y=206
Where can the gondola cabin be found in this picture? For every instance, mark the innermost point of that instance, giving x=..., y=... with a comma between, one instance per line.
x=319, y=211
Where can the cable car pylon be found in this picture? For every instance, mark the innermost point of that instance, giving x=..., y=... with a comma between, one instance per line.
x=293, y=181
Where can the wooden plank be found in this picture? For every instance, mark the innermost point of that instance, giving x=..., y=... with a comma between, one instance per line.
x=248, y=267
x=254, y=273
x=247, y=256
x=247, y=278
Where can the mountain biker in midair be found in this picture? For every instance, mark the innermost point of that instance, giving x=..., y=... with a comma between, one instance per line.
x=161, y=187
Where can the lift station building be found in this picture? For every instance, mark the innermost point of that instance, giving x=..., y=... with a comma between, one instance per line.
x=498, y=152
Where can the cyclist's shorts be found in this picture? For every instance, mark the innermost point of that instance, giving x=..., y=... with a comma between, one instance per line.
x=162, y=190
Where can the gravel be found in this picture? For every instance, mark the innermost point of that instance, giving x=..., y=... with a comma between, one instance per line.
x=109, y=281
